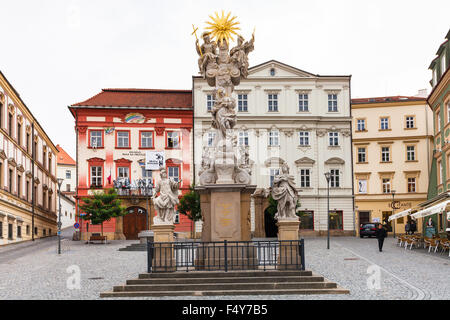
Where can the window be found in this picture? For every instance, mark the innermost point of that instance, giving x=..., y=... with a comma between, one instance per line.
x=334, y=178
x=362, y=155
x=273, y=173
x=96, y=139
x=123, y=173
x=173, y=139
x=273, y=102
x=210, y=101
x=68, y=174
x=443, y=66
x=305, y=178
x=10, y=231
x=385, y=154
x=410, y=153
x=438, y=118
x=274, y=138
x=303, y=138
x=448, y=111
x=10, y=180
x=272, y=72
x=242, y=102
x=28, y=230
x=28, y=142
x=10, y=124
x=44, y=232
x=332, y=103
x=306, y=220
x=35, y=231
x=384, y=123
x=44, y=199
x=441, y=173
x=146, y=139
x=177, y=217
x=211, y=137
x=362, y=186
x=411, y=184
x=147, y=176
x=361, y=124
x=19, y=231
x=409, y=122
x=1, y=229
x=123, y=139
x=174, y=173
x=19, y=133
x=386, y=183
x=67, y=187
x=27, y=190
x=19, y=185
x=44, y=157
x=66, y=213
x=336, y=220
x=333, y=139
x=96, y=176
x=303, y=105
x=243, y=138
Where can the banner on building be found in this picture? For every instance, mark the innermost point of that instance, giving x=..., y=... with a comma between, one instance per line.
x=154, y=160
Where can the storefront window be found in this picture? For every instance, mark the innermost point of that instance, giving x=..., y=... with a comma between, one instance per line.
x=336, y=220
x=306, y=220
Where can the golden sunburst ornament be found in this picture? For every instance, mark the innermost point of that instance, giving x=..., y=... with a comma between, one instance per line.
x=223, y=28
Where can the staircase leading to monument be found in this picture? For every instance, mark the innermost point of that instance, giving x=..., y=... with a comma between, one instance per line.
x=219, y=283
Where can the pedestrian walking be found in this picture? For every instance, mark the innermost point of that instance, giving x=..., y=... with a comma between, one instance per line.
x=381, y=234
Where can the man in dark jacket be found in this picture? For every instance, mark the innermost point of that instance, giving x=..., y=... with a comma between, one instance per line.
x=381, y=234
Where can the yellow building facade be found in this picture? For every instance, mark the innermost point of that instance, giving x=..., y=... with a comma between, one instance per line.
x=392, y=151
x=28, y=186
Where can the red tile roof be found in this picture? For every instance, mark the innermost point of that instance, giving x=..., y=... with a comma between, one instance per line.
x=140, y=98
x=387, y=99
x=63, y=157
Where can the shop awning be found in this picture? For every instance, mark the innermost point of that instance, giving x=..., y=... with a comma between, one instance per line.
x=400, y=214
x=440, y=207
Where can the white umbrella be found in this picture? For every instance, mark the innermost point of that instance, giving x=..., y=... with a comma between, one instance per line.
x=431, y=210
x=399, y=215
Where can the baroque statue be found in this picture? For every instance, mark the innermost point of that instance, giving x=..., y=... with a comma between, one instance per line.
x=167, y=200
x=285, y=192
x=223, y=69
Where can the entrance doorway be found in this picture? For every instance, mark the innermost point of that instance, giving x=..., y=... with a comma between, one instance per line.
x=134, y=222
x=364, y=217
x=270, y=225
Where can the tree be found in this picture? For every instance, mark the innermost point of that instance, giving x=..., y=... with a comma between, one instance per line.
x=190, y=205
x=102, y=207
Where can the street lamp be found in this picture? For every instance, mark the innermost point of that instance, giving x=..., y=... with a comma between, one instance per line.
x=60, y=181
x=328, y=177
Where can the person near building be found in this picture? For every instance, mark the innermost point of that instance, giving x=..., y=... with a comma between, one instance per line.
x=381, y=234
x=413, y=227
x=407, y=228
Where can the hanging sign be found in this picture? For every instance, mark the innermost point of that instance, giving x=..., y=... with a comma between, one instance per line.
x=154, y=160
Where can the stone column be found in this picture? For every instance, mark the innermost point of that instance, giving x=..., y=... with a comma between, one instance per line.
x=288, y=236
x=163, y=252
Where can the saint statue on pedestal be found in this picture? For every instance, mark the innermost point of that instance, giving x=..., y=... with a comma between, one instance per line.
x=167, y=200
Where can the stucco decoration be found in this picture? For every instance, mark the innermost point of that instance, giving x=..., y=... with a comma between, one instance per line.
x=167, y=200
x=223, y=69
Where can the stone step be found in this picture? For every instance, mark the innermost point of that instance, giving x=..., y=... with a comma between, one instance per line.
x=225, y=280
x=225, y=286
x=220, y=274
x=224, y=292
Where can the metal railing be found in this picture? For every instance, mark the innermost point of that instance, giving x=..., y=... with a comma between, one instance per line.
x=225, y=255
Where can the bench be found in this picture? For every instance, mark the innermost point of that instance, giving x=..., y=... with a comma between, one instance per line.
x=97, y=237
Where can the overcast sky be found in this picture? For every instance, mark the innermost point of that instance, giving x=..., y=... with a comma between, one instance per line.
x=56, y=53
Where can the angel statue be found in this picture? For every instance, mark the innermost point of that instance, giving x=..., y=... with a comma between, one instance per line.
x=239, y=54
x=285, y=192
x=167, y=200
x=208, y=54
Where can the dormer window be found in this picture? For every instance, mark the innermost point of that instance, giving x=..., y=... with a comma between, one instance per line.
x=272, y=72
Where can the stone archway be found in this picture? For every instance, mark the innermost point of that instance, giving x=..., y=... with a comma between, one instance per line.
x=134, y=222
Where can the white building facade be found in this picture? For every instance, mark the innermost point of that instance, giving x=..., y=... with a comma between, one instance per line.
x=286, y=115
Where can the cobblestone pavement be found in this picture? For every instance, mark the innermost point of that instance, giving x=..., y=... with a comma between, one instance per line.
x=350, y=262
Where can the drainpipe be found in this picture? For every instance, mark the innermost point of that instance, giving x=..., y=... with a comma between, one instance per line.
x=33, y=195
x=351, y=153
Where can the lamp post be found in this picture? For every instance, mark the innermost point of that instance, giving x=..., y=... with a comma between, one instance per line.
x=60, y=181
x=328, y=177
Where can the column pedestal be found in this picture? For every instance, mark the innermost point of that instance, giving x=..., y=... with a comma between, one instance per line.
x=289, y=257
x=163, y=252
